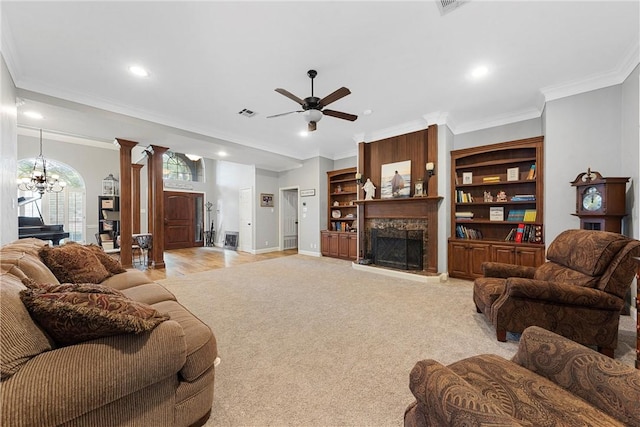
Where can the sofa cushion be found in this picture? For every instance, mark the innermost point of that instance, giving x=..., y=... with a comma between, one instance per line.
x=75, y=316
x=129, y=279
x=74, y=263
x=149, y=293
x=25, y=264
x=531, y=399
x=587, y=251
x=201, y=343
x=20, y=338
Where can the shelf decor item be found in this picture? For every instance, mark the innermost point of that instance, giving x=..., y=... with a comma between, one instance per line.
x=110, y=186
x=513, y=174
x=467, y=177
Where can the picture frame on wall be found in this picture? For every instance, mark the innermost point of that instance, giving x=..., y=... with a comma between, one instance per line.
x=396, y=180
x=266, y=200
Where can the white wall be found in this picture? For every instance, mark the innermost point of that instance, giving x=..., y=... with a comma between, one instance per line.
x=8, y=157
x=267, y=219
x=582, y=131
x=509, y=132
x=229, y=178
x=347, y=162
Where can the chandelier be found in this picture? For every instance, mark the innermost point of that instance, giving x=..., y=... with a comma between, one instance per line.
x=39, y=180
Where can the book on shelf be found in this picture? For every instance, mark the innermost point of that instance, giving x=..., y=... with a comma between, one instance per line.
x=516, y=215
x=519, y=233
x=496, y=213
x=513, y=174
x=464, y=214
x=530, y=215
x=491, y=179
x=532, y=172
x=524, y=198
x=463, y=232
x=462, y=197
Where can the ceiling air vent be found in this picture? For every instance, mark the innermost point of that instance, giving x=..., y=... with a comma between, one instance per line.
x=247, y=113
x=446, y=6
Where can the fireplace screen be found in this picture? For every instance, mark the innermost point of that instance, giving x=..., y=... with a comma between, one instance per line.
x=401, y=249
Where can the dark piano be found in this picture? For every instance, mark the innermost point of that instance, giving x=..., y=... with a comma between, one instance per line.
x=35, y=227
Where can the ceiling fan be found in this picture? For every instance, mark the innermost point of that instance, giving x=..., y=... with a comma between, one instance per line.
x=313, y=107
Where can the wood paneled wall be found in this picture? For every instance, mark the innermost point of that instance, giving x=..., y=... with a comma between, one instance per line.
x=420, y=147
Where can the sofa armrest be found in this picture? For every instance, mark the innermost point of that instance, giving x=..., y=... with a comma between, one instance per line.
x=445, y=398
x=59, y=385
x=561, y=293
x=504, y=271
x=607, y=384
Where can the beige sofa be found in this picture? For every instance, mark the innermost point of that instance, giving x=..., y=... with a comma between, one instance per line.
x=161, y=377
x=550, y=381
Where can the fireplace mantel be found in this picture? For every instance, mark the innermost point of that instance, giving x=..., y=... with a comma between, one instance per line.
x=407, y=207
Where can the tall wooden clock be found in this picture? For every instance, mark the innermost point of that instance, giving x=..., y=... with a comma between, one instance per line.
x=600, y=202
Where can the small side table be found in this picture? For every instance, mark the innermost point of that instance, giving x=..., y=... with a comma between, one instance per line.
x=637, y=259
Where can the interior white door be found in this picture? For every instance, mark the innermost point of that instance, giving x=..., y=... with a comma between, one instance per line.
x=290, y=219
x=245, y=207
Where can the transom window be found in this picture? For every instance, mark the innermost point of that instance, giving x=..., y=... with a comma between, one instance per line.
x=177, y=166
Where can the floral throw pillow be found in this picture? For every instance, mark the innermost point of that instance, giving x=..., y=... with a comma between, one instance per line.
x=70, y=317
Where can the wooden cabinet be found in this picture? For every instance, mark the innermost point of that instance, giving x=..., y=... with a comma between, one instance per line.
x=466, y=258
x=494, y=189
x=340, y=240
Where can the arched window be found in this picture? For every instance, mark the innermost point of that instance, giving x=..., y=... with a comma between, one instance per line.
x=179, y=167
x=66, y=207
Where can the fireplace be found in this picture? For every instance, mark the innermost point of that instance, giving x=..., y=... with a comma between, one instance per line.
x=401, y=249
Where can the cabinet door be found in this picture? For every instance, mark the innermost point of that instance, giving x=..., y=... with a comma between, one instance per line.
x=458, y=259
x=503, y=253
x=478, y=253
x=343, y=246
x=353, y=246
x=529, y=257
x=324, y=243
x=333, y=245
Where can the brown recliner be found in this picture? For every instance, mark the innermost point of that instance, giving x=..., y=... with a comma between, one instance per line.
x=578, y=293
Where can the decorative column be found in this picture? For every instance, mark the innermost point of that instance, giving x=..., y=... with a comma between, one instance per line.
x=125, y=202
x=135, y=197
x=156, y=205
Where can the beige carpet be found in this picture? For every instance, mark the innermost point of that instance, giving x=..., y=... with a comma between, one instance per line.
x=308, y=341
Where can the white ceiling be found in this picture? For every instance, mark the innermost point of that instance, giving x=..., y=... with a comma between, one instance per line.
x=208, y=60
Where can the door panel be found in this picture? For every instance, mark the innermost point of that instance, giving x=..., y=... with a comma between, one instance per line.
x=181, y=220
x=290, y=219
x=246, y=220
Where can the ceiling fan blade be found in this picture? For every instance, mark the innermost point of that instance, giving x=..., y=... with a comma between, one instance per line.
x=284, y=114
x=312, y=126
x=332, y=97
x=340, y=115
x=290, y=95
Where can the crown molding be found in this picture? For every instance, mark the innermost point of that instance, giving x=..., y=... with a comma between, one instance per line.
x=610, y=78
x=67, y=138
x=500, y=120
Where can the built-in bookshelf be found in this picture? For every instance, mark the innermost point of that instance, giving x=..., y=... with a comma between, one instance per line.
x=497, y=206
x=340, y=239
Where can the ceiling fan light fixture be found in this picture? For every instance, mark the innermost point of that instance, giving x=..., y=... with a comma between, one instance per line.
x=312, y=115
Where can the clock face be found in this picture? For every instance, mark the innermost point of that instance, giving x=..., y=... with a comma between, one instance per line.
x=592, y=199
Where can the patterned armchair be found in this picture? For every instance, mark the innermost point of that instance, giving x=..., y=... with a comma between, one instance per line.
x=578, y=293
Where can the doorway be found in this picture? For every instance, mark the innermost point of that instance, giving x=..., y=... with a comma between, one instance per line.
x=184, y=220
x=289, y=218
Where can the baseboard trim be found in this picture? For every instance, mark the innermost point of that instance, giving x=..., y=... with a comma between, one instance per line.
x=309, y=253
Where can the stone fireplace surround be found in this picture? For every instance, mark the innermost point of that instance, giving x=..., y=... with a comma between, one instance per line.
x=396, y=224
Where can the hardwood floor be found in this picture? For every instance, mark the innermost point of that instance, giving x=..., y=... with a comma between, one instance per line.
x=180, y=262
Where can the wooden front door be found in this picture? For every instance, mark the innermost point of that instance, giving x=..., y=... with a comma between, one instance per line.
x=183, y=220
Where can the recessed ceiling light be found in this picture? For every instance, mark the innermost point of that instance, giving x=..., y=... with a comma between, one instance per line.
x=138, y=71
x=34, y=115
x=303, y=133
x=479, y=72
x=222, y=153
x=367, y=112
